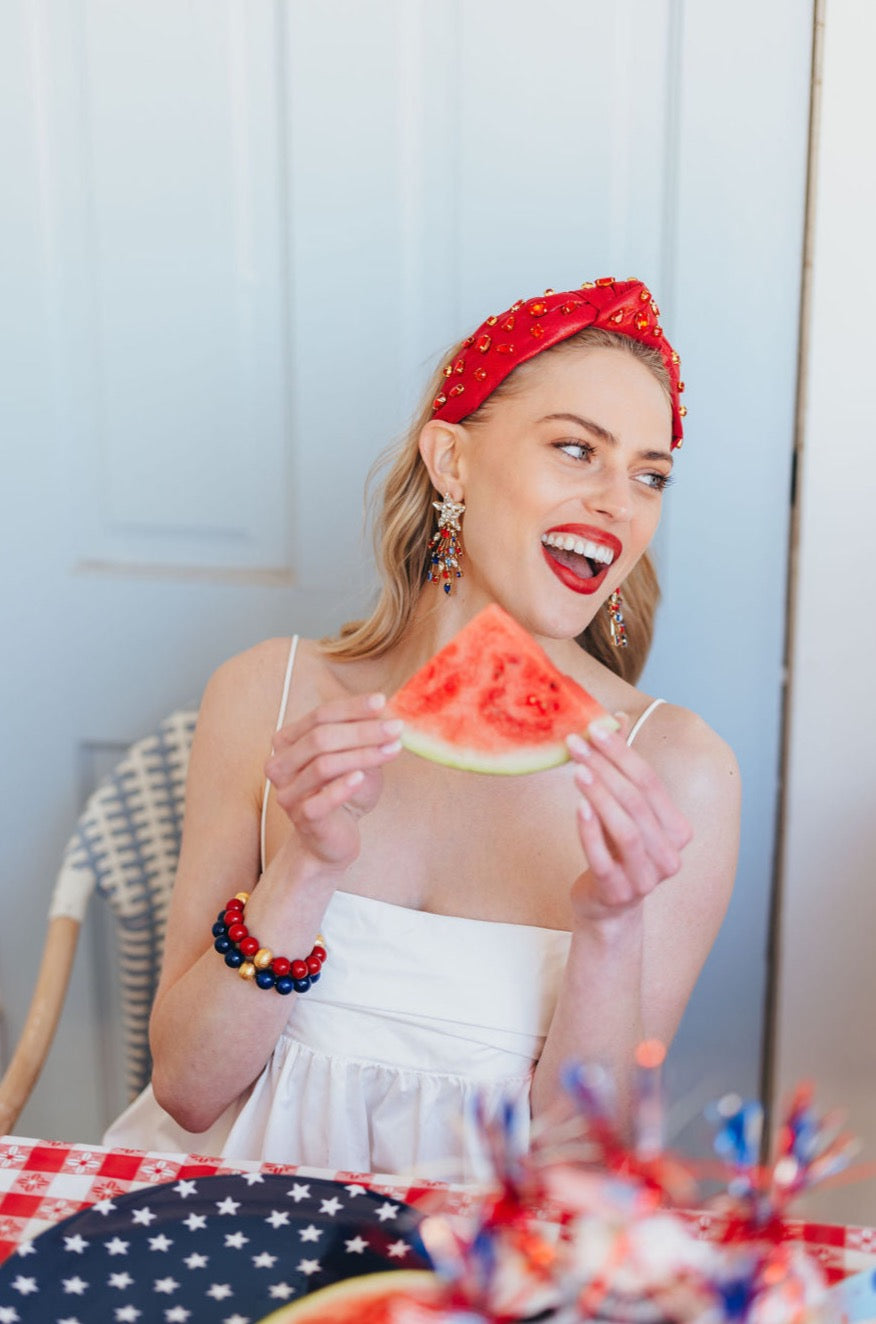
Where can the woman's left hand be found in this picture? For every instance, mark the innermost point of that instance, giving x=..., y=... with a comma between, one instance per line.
x=631, y=831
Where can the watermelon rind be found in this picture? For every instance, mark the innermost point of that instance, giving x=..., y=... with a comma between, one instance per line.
x=334, y=1301
x=533, y=758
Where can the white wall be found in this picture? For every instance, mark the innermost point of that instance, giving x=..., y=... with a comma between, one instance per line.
x=827, y=983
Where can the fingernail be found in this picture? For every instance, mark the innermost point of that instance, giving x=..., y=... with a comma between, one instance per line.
x=584, y=809
x=354, y=778
x=583, y=774
x=392, y=748
x=599, y=730
x=393, y=727
x=578, y=745
x=376, y=702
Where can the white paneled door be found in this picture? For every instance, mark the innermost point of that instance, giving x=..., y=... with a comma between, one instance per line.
x=235, y=238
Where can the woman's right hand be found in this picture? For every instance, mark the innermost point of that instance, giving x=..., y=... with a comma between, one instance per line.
x=326, y=770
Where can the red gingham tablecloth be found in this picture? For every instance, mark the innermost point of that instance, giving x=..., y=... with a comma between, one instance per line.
x=44, y=1181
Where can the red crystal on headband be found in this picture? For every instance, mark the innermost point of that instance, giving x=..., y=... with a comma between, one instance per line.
x=623, y=306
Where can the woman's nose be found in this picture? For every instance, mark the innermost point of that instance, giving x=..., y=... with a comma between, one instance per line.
x=609, y=496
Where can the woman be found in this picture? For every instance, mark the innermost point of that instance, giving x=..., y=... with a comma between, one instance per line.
x=481, y=931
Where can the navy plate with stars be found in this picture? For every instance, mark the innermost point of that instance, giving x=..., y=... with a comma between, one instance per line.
x=229, y=1249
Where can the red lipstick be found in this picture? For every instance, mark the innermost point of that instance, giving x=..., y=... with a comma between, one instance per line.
x=565, y=574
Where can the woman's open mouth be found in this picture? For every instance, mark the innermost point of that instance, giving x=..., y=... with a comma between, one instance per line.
x=580, y=556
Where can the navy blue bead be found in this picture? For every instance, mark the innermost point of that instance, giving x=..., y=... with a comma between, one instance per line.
x=284, y=984
x=223, y=944
x=264, y=979
x=313, y=978
x=234, y=957
x=302, y=985
x=219, y=929
x=221, y=915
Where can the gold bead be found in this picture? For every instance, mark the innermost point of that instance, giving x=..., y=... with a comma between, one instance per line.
x=320, y=940
x=247, y=970
x=243, y=897
x=263, y=958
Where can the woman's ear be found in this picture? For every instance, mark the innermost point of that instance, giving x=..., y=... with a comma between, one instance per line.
x=440, y=447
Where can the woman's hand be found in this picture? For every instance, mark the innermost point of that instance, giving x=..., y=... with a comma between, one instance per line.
x=631, y=831
x=326, y=772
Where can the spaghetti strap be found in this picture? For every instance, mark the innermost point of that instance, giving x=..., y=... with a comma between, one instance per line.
x=281, y=716
x=640, y=721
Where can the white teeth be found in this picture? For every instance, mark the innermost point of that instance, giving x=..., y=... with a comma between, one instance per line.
x=594, y=551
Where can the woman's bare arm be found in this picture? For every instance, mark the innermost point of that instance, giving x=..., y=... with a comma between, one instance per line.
x=640, y=938
x=212, y=1032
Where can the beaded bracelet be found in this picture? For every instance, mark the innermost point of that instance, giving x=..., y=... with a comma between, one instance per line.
x=246, y=955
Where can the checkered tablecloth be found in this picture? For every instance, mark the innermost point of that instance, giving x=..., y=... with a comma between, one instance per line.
x=44, y=1181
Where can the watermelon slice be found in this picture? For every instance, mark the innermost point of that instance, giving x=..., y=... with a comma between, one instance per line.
x=492, y=701
x=400, y=1296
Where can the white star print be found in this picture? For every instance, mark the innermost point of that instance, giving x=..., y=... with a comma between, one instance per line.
x=252, y=1178
x=70, y=1319
x=196, y=1260
x=161, y=1242
x=236, y=1240
x=277, y=1218
x=167, y=1285
x=310, y=1233
x=236, y=1319
x=103, y=1207
x=355, y=1190
x=26, y=1248
x=117, y=1246
x=184, y=1189
x=75, y=1243
x=177, y=1315
x=227, y=1206
x=397, y=1250
x=120, y=1280
x=144, y=1217
x=386, y=1210
x=356, y=1245
x=195, y=1222
x=331, y=1206
x=9, y=1315
x=74, y=1285
x=219, y=1291
x=299, y=1192
x=308, y=1266
x=264, y=1260
x=127, y=1314
x=282, y=1291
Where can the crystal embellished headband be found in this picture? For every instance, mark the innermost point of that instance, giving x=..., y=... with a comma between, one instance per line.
x=530, y=326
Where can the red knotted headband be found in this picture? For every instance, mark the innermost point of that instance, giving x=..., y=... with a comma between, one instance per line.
x=532, y=325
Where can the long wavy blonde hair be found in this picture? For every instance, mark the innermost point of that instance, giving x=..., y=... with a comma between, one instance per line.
x=403, y=520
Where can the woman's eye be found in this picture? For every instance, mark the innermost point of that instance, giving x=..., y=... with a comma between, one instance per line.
x=659, y=482
x=578, y=450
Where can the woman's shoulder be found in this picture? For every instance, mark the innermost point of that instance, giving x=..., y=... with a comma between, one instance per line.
x=694, y=761
x=251, y=683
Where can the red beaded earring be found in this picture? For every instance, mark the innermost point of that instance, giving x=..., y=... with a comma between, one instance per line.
x=444, y=546
x=618, y=628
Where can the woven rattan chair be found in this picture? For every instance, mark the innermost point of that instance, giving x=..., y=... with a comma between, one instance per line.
x=125, y=847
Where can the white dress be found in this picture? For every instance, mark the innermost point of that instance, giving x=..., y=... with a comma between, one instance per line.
x=379, y=1064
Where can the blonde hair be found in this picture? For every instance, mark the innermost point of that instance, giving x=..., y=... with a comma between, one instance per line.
x=404, y=519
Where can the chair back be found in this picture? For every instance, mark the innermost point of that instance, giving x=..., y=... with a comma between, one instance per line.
x=125, y=847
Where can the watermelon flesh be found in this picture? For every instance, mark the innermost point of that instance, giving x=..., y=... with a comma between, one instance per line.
x=399, y=1296
x=492, y=701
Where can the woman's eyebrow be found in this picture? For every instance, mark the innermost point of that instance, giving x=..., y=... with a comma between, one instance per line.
x=604, y=435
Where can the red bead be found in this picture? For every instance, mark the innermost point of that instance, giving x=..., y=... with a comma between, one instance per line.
x=457, y=389
x=281, y=965
x=459, y=365
x=480, y=374
x=249, y=946
x=538, y=309
x=536, y=330
x=505, y=349
x=234, y=904
x=314, y=965
x=319, y=952
x=439, y=401
x=237, y=933
x=508, y=324
x=605, y=280
x=484, y=344
x=298, y=969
